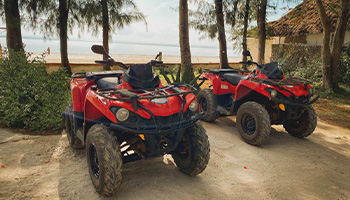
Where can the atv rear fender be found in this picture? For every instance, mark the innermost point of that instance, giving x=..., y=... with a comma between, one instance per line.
x=219, y=86
x=79, y=87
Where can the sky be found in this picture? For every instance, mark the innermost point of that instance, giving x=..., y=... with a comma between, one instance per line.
x=162, y=25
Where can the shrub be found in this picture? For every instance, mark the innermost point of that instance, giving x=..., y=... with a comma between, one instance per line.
x=344, y=65
x=29, y=97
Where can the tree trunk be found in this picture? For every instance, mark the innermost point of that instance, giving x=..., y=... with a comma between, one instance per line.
x=13, y=25
x=338, y=42
x=105, y=31
x=262, y=30
x=245, y=30
x=326, y=54
x=221, y=34
x=184, y=37
x=63, y=26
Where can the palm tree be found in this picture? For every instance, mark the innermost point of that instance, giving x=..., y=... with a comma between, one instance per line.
x=55, y=18
x=184, y=39
x=13, y=24
x=110, y=14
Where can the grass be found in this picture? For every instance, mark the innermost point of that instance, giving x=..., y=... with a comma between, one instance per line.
x=334, y=107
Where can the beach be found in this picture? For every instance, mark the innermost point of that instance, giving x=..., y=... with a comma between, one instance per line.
x=89, y=58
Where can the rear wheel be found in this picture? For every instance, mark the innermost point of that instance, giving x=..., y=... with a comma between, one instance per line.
x=104, y=159
x=304, y=126
x=74, y=142
x=194, y=151
x=253, y=123
x=208, y=105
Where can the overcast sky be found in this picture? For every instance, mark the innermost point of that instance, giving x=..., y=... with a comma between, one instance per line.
x=163, y=20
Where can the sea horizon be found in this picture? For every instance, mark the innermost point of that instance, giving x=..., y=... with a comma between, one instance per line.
x=37, y=44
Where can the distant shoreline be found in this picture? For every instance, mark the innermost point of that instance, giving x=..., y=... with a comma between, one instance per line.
x=129, y=58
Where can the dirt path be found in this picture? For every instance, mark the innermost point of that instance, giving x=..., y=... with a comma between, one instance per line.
x=45, y=167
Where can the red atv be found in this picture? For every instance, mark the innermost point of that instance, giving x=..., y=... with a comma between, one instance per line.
x=124, y=116
x=258, y=99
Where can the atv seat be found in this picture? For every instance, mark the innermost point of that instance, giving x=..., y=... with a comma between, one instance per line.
x=234, y=78
x=141, y=77
x=107, y=82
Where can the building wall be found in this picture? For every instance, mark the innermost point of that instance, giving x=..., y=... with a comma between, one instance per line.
x=312, y=40
x=253, y=47
x=315, y=39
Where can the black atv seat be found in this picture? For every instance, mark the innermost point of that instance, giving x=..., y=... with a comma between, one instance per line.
x=107, y=82
x=234, y=78
x=141, y=77
x=221, y=71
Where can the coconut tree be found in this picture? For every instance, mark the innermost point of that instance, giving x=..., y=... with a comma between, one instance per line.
x=261, y=21
x=13, y=24
x=54, y=18
x=184, y=39
x=209, y=19
x=109, y=14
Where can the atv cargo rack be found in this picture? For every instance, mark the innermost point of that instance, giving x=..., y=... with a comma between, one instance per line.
x=152, y=93
x=293, y=81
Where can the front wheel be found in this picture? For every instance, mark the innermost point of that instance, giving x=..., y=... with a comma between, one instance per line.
x=104, y=159
x=194, y=151
x=304, y=125
x=253, y=123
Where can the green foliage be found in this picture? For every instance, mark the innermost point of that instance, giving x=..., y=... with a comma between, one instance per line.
x=29, y=97
x=305, y=62
x=121, y=13
x=301, y=61
x=185, y=78
x=344, y=65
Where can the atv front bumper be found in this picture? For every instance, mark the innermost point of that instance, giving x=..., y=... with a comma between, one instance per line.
x=290, y=103
x=157, y=124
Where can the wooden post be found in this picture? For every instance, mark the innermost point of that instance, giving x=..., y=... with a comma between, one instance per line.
x=160, y=57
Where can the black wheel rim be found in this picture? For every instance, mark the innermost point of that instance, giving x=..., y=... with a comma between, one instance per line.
x=204, y=105
x=94, y=165
x=248, y=124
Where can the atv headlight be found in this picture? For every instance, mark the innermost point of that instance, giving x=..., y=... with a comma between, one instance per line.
x=122, y=114
x=194, y=106
x=273, y=94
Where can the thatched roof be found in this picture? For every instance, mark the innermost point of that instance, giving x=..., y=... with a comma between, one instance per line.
x=304, y=20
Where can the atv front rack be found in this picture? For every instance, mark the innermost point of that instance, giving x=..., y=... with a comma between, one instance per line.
x=152, y=93
x=292, y=81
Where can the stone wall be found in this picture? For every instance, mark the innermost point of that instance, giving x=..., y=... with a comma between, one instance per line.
x=301, y=60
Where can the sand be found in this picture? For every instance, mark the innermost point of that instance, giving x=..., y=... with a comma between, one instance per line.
x=91, y=57
x=46, y=167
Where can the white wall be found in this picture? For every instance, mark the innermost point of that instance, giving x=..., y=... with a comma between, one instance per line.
x=315, y=39
x=347, y=37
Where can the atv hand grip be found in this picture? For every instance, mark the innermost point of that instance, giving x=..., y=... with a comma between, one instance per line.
x=156, y=63
x=246, y=62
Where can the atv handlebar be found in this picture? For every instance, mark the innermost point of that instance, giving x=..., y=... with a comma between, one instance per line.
x=155, y=63
x=249, y=62
x=111, y=62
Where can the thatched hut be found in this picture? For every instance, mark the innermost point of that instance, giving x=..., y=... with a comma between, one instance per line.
x=302, y=25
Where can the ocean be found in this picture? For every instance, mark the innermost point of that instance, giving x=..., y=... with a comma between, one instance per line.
x=75, y=45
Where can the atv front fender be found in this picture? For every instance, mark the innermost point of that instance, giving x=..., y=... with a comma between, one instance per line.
x=245, y=87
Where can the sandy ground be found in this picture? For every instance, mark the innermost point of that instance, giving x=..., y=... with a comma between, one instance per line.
x=45, y=167
x=91, y=57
